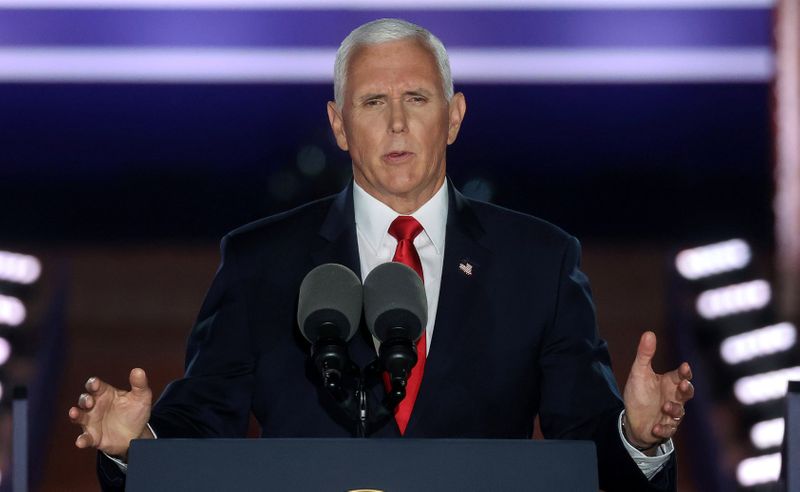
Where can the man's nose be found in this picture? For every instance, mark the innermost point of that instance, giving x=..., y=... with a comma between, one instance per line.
x=398, y=119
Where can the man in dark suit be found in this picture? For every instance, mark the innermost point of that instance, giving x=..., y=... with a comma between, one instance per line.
x=511, y=333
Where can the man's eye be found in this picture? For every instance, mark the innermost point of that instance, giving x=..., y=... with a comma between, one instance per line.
x=373, y=102
x=417, y=99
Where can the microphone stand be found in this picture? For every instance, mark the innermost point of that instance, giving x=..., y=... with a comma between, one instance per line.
x=348, y=385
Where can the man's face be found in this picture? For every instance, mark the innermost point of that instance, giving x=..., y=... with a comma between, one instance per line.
x=396, y=122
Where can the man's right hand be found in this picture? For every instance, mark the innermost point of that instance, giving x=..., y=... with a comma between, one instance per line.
x=110, y=417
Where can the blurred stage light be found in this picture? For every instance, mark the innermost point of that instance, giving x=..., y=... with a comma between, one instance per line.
x=315, y=65
x=712, y=259
x=12, y=311
x=767, y=434
x=5, y=350
x=19, y=268
x=759, y=470
x=757, y=343
x=766, y=386
x=734, y=299
x=387, y=4
x=311, y=160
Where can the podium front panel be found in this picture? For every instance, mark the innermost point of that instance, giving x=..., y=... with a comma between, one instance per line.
x=389, y=465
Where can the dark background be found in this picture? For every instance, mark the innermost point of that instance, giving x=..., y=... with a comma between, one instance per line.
x=675, y=162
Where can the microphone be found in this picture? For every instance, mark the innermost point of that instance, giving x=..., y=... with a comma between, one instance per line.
x=396, y=311
x=328, y=314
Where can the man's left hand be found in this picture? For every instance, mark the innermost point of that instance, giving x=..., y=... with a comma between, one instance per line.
x=654, y=403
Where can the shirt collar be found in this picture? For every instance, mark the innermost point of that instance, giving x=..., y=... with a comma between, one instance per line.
x=374, y=217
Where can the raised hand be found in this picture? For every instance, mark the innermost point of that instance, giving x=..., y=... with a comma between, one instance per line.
x=111, y=417
x=654, y=403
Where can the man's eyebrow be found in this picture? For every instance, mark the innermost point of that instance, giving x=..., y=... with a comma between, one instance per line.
x=377, y=95
x=418, y=92
x=373, y=95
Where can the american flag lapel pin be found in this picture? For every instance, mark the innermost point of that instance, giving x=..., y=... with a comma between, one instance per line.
x=466, y=267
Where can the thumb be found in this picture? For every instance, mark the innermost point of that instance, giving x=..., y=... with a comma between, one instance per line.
x=646, y=350
x=138, y=380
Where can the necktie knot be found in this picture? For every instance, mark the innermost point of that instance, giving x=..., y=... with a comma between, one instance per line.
x=405, y=228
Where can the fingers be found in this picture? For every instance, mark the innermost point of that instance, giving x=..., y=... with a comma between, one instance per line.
x=84, y=440
x=674, y=410
x=138, y=380
x=77, y=416
x=646, y=349
x=685, y=371
x=92, y=384
x=673, y=416
x=685, y=391
x=96, y=386
x=80, y=417
x=664, y=431
x=85, y=401
x=682, y=373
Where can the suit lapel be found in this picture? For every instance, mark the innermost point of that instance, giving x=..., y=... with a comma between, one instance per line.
x=460, y=292
x=337, y=243
x=465, y=263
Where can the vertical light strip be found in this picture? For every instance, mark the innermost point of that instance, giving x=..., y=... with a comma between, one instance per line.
x=787, y=168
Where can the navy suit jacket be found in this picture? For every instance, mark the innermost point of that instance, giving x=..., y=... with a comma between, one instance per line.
x=514, y=339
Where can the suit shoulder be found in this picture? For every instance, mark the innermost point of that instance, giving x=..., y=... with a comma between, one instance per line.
x=501, y=221
x=289, y=227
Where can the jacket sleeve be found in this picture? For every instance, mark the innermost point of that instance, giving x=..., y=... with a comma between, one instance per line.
x=579, y=395
x=213, y=398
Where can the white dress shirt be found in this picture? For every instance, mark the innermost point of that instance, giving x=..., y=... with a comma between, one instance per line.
x=376, y=245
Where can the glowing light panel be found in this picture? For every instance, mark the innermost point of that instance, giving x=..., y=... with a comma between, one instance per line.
x=713, y=259
x=734, y=299
x=767, y=434
x=758, y=470
x=303, y=65
x=766, y=386
x=19, y=268
x=12, y=311
x=758, y=343
x=5, y=351
x=386, y=4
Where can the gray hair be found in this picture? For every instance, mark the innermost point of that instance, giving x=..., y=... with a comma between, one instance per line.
x=384, y=31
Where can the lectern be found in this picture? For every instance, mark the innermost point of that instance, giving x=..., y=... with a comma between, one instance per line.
x=341, y=465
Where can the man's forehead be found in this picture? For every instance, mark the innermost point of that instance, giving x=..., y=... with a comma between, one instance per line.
x=400, y=66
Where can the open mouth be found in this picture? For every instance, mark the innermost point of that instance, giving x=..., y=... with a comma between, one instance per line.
x=397, y=156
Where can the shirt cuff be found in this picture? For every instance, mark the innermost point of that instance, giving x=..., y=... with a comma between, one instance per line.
x=649, y=465
x=123, y=467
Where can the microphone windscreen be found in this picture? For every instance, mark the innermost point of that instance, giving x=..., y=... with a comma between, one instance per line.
x=395, y=302
x=330, y=303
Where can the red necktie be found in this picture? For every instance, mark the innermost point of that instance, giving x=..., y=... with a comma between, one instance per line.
x=405, y=228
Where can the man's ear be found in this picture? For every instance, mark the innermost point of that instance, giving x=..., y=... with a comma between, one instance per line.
x=458, y=107
x=337, y=125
